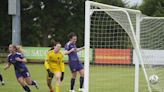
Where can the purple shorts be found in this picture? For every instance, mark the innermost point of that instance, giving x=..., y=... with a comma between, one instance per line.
x=23, y=74
x=75, y=66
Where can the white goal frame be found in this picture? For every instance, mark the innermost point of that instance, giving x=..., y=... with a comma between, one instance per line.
x=88, y=13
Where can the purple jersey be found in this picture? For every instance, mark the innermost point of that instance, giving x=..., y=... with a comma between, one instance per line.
x=73, y=55
x=74, y=66
x=18, y=66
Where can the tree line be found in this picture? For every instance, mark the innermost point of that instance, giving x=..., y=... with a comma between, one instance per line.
x=45, y=21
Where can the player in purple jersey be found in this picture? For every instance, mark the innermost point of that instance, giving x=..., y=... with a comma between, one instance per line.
x=21, y=71
x=74, y=62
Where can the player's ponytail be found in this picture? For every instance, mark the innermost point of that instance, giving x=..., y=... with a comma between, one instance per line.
x=19, y=49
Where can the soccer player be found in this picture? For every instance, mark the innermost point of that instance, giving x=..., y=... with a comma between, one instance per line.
x=21, y=71
x=62, y=66
x=54, y=66
x=74, y=62
x=1, y=80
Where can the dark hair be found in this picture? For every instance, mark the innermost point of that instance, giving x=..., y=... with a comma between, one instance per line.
x=55, y=43
x=72, y=34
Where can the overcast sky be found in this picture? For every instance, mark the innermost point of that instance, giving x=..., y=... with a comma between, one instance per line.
x=133, y=2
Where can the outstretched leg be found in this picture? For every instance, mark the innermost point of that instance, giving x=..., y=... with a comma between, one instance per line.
x=31, y=82
x=49, y=81
x=22, y=83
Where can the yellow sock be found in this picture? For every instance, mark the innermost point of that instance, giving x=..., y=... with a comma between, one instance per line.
x=57, y=88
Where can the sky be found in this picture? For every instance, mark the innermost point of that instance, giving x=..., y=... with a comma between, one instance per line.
x=133, y=2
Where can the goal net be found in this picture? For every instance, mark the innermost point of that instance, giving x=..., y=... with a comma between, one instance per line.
x=114, y=35
x=152, y=45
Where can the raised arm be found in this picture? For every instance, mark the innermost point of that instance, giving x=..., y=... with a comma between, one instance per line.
x=79, y=49
x=66, y=52
x=21, y=59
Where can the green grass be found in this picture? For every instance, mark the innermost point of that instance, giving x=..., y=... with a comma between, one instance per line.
x=102, y=79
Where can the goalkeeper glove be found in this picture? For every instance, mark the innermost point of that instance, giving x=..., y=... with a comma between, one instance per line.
x=50, y=74
x=62, y=76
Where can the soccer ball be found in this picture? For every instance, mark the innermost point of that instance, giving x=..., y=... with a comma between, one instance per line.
x=153, y=79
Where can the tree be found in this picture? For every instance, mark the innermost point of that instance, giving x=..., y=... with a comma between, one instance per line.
x=55, y=20
x=45, y=20
x=153, y=7
x=5, y=24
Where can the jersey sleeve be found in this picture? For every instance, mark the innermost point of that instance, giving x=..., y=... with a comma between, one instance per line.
x=20, y=55
x=62, y=66
x=46, y=65
x=62, y=56
x=66, y=47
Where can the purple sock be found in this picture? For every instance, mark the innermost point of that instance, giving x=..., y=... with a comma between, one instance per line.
x=81, y=82
x=72, y=83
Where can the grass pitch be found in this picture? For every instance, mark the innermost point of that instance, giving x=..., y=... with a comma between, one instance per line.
x=102, y=79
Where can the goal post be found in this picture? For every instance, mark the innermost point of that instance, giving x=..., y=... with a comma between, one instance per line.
x=136, y=87
x=117, y=37
x=87, y=46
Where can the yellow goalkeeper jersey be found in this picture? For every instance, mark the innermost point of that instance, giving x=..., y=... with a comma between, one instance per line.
x=54, y=61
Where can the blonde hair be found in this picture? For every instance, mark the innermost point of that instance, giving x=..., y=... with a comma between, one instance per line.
x=19, y=49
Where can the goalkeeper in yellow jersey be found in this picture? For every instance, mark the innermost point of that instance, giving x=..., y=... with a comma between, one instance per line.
x=54, y=66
